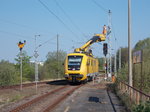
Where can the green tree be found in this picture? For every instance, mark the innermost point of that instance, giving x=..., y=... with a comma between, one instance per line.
x=142, y=77
x=142, y=44
x=27, y=67
x=124, y=57
x=101, y=64
x=53, y=67
x=8, y=74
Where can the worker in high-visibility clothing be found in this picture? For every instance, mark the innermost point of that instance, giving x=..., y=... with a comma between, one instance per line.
x=104, y=30
x=113, y=78
x=101, y=36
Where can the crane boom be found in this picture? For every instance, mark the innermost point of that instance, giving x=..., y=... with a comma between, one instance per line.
x=96, y=38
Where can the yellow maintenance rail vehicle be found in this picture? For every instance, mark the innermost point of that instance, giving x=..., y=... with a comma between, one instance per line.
x=81, y=66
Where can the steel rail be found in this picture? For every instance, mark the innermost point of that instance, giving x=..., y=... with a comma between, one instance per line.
x=60, y=99
x=27, y=104
x=24, y=85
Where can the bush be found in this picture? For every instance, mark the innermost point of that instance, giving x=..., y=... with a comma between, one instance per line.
x=8, y=73
x=143, y=107
x=27, y=67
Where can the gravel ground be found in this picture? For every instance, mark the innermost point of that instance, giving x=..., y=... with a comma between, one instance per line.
x=11, y=98
x=89, y=98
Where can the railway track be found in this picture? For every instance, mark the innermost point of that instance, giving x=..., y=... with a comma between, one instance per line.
x=23, y=85
x=48, y=101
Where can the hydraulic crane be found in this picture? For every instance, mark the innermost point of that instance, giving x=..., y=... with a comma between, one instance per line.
x=96, y=38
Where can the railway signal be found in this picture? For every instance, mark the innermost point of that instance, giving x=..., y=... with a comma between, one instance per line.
x=105, y=49
x=21, y=45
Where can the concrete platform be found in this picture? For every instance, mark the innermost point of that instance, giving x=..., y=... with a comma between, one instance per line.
x=91, y=98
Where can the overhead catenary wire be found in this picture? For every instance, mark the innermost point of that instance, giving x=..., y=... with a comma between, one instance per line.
x=60, y=20
x=48, y=41
x=116, y=42
x=100, y=6
x=15, y=34
x=14, y=23
x=69, y=18
x=19, y=25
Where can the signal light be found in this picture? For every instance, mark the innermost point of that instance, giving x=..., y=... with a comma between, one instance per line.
x=21, y=45
x=105, y=49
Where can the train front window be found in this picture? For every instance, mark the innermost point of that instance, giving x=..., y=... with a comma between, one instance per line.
x=74, y=62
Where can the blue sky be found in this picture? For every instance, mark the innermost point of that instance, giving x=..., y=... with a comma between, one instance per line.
x=23, y=19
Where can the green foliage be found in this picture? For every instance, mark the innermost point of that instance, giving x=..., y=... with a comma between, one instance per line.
x=141, y=71
x=25, y=58
x=143, y=44
x=143, y=107
x=53, y=67
x=141, y=78
x=122, y=74
x=8, y=73
x=15, y=98
x=124, y=57
x=27, y=68
x=101, y=63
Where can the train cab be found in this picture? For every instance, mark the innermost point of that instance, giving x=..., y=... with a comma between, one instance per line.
x=79, y=67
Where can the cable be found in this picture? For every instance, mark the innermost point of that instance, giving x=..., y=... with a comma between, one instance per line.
x=10, y=22
x=69, y=18
x=19, y=25
x=48, y=41
x=15, y=34
x=100, y=6
x=45, y=6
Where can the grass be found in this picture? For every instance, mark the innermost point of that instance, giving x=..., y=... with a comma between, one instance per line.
x=16, y=98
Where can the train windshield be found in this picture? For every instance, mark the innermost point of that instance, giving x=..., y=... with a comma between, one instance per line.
x=74, y=62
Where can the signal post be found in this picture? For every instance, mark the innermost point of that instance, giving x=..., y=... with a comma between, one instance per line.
x=105, y=51
x=36, y=63
x=21, y=45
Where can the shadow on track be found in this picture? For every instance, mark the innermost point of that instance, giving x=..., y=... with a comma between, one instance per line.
x=58, y=82
x=62, y=82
